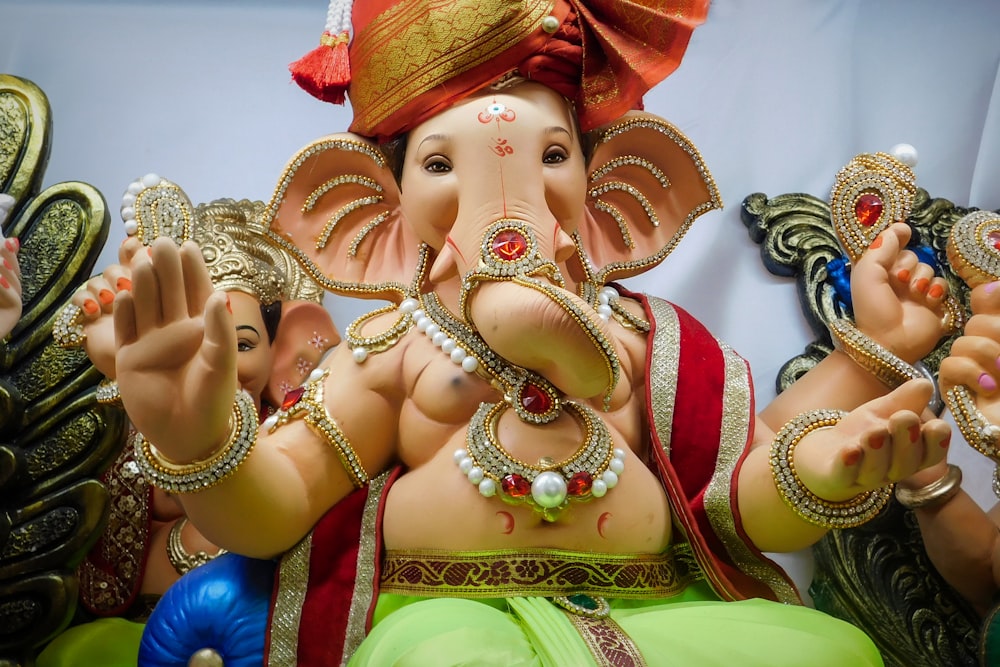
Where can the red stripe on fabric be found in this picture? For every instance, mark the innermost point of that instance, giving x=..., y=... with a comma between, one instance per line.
x=333, y=564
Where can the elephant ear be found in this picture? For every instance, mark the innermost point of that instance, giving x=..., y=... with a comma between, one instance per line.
x=647, y=184
x=305, y=333
x=336, y=208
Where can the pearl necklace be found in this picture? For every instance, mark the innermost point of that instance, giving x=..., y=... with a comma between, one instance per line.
x=548, y=486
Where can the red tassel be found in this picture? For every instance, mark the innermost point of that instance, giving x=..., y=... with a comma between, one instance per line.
x=325, y=72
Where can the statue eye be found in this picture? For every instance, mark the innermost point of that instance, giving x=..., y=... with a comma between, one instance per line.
x=244, y=346
x=437, y=165
x=555, y=155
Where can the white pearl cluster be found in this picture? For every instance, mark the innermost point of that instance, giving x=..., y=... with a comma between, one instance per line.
x=448, y=345
x=129, y=199
x=605, y=298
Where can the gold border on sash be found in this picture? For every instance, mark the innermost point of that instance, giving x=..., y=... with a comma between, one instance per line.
x=608, y=643
x=414, y=46
x=666, y=344
x=736, y=419
x=293, y=580
x=364, y=580
x=536, y=572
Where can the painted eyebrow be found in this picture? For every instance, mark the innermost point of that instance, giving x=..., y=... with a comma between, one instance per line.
x=247, y=326
x=557, y=128
x=433, y=137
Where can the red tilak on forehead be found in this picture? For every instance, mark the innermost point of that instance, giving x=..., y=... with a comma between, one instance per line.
x=496, y=112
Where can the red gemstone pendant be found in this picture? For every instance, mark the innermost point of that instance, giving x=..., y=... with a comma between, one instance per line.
x=509, y=245
x=535, y=400
x=292, y=397
x=515, y=486
x=579, y=484
x=868, y=209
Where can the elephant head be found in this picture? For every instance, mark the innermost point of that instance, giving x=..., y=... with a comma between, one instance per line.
x=504, y=170
x=608, y=211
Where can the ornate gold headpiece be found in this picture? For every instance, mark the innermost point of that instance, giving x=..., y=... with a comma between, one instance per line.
x=230, y=234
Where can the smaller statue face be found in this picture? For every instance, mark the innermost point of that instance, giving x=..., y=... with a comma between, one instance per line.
x=255, y=355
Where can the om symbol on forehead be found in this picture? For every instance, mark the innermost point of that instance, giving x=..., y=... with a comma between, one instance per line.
x=498, y=112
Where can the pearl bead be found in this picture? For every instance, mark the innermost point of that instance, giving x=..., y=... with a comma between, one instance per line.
x=449, y=346
x=131, y=227
x=905, y=153
x=135, y=187
x=465, y=465
x=610, y=478
x=439, y=338
x=487, y=488
x=475, y=475
x=316, y=374
x=470, y=364
x=550, y=24
x=604, y=311
x=128, y=199
x=270, y=422
x=549, y=489
x=598, y=489
x=423, y=322
x=458, y=355
x=150, y=180
x=359, y=354
x=616, y=466
x=459, y=455
x=610, y=292
x=408, y=306
x=128, y=213
x=431, y=330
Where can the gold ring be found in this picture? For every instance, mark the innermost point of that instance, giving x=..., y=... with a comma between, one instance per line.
x=954, y=316
x=68, y=327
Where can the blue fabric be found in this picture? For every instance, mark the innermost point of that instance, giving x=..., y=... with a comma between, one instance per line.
x=222, y=605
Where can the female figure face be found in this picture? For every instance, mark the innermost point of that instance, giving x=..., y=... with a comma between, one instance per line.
x=255, y=355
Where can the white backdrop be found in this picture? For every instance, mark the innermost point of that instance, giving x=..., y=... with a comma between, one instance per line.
x=777, y=94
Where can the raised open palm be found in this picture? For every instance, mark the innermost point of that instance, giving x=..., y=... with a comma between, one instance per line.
x=176, y=358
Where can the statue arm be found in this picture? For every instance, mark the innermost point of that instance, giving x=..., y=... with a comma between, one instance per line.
x=879, y=443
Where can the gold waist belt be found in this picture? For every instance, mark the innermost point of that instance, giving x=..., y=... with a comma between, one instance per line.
x=538, y=572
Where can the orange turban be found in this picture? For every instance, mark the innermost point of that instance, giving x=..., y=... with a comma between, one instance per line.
x=410, y=59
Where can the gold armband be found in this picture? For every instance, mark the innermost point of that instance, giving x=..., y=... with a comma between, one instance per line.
x=871, y=356
x=200, y=475
x=807, y=505
x=306, y=401
x=977, y=430
x=934, y=494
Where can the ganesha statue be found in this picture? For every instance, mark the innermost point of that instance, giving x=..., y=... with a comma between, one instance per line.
x=281, y=332
x=518, y=460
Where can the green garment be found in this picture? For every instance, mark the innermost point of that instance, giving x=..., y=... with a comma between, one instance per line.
x=106, y=642
x=693, y=628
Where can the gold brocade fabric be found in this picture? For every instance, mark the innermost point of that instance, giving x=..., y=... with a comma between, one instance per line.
x=415, y=46
x=538, y=572
x=111, y=574
x=413, y=58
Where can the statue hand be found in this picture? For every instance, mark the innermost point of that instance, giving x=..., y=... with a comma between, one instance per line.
x=897, y=300
x=176, y=356
x=974, y=359
x=10, y=286
x=878, y=443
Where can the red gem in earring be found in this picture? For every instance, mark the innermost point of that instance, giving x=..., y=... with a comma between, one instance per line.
x=868, y=208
